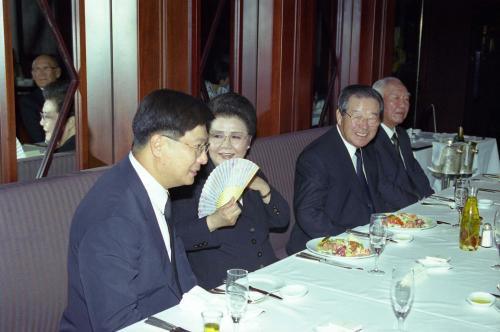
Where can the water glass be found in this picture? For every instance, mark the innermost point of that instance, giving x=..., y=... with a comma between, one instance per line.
x=211, y=320
x=496, y=232
x=236, y=294
x=402, y=294
x=460, y=194
x=378, y=238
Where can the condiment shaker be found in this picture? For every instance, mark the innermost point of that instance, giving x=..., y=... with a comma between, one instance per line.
x=487, y=236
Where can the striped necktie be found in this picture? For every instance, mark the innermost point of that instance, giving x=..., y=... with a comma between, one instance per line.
x=362, y=179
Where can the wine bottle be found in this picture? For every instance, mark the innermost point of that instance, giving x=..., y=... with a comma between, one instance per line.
x=470, y=223
x=460, y=136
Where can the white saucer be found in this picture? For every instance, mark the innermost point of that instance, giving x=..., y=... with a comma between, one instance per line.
x=402, y=238
x=293, y=291
x=484, y=203
x=481, y=299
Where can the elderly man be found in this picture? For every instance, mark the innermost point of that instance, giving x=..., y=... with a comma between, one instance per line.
x=335, y=177
x=44, y=70
x=125, y=260
x=402, y=180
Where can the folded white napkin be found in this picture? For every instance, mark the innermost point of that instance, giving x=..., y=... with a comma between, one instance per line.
x=339, y=327
x=434, y=264
x=199, y=300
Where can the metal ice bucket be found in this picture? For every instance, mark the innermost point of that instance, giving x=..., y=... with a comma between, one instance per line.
x=469, y=150
x=450, y=159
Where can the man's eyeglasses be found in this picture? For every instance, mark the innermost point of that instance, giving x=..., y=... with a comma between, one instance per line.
x=217, y=138
x=38, y=70
x=198, y=149
x=358, y=120
x=45, y=116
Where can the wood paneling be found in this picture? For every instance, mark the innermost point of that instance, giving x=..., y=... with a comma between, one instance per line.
x=8, y=161
x=98, y=53
x=125, y=74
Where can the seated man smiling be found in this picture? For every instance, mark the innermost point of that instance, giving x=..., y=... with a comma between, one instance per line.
x=336, y=177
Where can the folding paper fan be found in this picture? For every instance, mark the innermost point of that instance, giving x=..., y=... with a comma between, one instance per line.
x=227, y=180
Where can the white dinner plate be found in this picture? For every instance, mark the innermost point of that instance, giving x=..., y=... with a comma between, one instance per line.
x=429, y=223
x=265, y=282
x=312, y=246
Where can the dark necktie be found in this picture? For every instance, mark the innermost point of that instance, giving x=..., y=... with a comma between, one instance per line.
x=395, y=141
x=362, y=179
x=168, y=219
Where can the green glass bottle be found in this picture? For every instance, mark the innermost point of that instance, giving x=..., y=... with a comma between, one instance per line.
x=459, y=137
x=470, y=223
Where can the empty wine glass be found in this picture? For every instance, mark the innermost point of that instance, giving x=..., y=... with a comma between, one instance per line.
x=378, y=237
x=461, y=194
x=496, y=232
x=402, y=294
x=236, y=294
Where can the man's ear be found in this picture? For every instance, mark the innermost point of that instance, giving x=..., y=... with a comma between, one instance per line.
x=156, y=143
x=58, y=72
x=338, y=115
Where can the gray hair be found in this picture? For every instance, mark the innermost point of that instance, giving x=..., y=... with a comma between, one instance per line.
x=383, y=82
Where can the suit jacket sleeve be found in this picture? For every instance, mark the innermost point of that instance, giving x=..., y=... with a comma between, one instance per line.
x=108, y=256
x=311, y=193
x=277, y=210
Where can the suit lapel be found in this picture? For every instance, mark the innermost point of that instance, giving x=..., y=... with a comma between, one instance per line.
x=141, y=195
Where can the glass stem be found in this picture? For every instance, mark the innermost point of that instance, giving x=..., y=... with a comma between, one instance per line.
x=236, y=327
x=401, y=324
x=376, y=262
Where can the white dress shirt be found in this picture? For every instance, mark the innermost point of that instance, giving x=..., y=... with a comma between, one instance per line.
x=158, y=196
x=351, y=149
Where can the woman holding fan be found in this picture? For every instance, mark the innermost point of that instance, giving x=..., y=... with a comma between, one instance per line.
x=236, y=234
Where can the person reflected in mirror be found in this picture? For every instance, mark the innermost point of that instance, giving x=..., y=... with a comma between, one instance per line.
x=402, y=180
x=236, y=234
x=54, y=94
x=44, y=70
x=336, y=176
x=125, y=259
x=217, y=79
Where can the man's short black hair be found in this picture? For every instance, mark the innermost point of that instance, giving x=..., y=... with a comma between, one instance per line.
x=168, y=111
x=234, y=105
x=359, y=91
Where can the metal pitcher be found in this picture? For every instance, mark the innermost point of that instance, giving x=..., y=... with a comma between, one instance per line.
x=450, y=159
x=469, y=151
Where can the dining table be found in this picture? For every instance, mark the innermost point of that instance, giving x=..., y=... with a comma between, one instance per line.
x=340, y=295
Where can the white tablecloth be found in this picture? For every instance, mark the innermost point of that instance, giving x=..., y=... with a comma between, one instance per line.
x=339, y=295
x=486, y=161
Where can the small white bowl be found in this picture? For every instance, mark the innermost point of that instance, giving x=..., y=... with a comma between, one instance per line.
x=402, y=238
x=293, y=291
x=484, y=203
x=481, y=299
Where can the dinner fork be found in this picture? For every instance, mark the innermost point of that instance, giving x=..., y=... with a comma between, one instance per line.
x=437, y=204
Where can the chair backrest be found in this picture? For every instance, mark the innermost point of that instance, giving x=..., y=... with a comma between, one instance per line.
x=276, y=156
x=62, y=163
x=34, y=230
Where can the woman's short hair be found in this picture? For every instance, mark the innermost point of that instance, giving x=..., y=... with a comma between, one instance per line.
x=234, y=105
x=168, y=111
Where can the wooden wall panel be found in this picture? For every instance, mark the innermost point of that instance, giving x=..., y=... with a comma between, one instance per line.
x=98, y=55
x=125, y=74
x=8, y=162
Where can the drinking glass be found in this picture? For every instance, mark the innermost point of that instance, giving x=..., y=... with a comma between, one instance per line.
x=461, y=194
x=211, y=320
x=236, y=294
x=496, y=232
x=402, y=294
x=378, y=237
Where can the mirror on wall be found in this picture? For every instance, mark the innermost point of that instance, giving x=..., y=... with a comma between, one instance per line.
x=40, y=86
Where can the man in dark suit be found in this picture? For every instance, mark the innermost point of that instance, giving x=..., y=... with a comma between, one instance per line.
x=44, y=70
x=335, y=177
x=125, y=261
x=402, y=180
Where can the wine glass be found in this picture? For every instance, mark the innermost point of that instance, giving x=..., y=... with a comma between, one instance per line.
x=236, y=294
x=496, y=232
x=461, y=194
x=402, y=294
x=378, y=237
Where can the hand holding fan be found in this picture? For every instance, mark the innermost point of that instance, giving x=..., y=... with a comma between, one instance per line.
x=227, y=180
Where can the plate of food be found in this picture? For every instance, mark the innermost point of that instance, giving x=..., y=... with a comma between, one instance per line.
x=408, y=222
x=344, y=247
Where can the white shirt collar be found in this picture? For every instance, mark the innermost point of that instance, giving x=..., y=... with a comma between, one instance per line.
x=388, y=131
x=350, y=148
x=157, y=194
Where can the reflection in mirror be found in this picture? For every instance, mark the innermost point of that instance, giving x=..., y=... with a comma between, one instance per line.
x=37, y=64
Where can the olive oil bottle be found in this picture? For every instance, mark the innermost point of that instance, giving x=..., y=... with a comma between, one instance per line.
x=470, y=223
